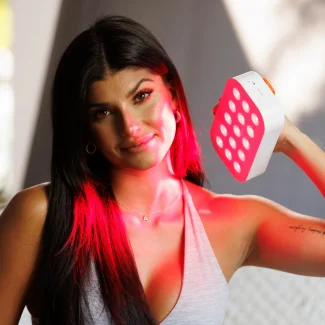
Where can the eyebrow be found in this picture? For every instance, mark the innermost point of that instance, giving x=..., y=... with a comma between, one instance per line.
x=135, y=88
x=129, y=94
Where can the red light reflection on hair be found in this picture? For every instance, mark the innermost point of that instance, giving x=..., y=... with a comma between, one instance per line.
x=96, y=226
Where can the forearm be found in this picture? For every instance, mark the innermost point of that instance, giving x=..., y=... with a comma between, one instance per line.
x=307, y=155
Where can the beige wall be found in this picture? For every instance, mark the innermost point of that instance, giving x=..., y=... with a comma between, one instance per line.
x=34, y=29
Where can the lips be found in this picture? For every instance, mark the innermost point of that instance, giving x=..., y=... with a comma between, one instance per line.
x=138, y=141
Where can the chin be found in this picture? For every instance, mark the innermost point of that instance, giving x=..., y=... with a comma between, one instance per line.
x=143, y=164
x=143, y=161
x=146, y=161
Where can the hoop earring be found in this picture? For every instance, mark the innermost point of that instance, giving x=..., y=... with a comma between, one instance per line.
x=91, y=152
x=178, y=116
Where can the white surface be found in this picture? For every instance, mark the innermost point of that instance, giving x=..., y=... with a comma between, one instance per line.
x=266, y=297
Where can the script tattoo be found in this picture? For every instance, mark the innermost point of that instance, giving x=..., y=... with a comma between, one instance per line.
x=302, y=229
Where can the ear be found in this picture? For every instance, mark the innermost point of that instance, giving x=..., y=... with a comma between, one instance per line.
x=174, y=98
x=169, y=83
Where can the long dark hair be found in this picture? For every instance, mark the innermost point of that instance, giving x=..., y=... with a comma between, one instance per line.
x=84, y=223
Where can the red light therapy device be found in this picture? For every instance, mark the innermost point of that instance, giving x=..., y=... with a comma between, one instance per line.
x=247, y=124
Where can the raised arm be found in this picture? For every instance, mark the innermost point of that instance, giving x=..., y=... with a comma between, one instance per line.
x=303, y=152
x=21, y=225
x=283, y=239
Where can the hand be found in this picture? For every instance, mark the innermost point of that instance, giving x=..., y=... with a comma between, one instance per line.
x=282, y=143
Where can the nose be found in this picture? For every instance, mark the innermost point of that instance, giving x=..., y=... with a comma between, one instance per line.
x=130, y=125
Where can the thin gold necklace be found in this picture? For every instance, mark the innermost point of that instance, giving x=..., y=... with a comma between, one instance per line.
x=145, y=215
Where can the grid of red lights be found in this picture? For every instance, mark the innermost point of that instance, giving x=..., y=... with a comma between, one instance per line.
x=237, y=130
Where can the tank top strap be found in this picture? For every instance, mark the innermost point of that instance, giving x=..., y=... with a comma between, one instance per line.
x=197, y=243
x=204, y=293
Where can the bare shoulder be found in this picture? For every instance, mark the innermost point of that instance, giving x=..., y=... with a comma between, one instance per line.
x=21, y=228
x=215, y=206
x=235, y=215
x=223, y=215
x=230, y=206
x=29, y=206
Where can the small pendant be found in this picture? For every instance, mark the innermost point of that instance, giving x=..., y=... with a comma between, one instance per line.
x=145, y=218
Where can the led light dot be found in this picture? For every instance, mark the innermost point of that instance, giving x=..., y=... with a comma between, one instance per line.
x=219, y=142
x=241, y=155
x=237, y=167
x=241, y=118
x=237, y=130
x=232, y=106
x=228, y=154
x=236, y=93
x=255, y=119
x=223, y=130
x=228, y=118
x=245, y=106
x=246, y=143
x=250, y=131
x=232, y=142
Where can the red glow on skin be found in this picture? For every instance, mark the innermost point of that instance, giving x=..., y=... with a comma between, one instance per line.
x=97, y=223
x=185, y=151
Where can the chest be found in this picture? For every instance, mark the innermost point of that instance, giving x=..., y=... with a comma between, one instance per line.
x=160, y=258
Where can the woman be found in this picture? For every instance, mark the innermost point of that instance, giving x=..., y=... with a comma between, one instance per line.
x=125, y=233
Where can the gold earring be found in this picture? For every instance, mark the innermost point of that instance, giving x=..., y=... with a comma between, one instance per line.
x=90, y=152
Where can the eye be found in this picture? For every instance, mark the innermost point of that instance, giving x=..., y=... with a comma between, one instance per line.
x=99, y=114
x=142, y=95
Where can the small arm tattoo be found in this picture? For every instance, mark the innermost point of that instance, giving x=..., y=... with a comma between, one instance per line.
x=302, y=229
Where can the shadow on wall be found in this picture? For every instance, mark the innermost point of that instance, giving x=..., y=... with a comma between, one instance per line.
x=38, y=167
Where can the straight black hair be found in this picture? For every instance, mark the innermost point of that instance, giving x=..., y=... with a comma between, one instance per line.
x=84, y=223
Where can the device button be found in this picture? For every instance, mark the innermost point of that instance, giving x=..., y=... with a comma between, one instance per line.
x=269, y=85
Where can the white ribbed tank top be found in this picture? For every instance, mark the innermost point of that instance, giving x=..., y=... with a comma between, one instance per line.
x=204, y=294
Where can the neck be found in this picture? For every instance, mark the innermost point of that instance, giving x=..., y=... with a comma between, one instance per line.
x=146, y=192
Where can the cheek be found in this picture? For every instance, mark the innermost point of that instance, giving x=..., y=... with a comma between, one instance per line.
x=162, y=116
x=167, y=125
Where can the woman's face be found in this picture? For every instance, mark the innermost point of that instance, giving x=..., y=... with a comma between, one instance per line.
x=131, y=118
